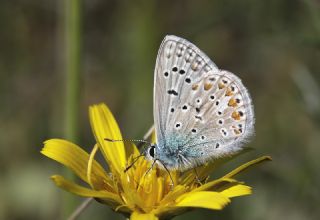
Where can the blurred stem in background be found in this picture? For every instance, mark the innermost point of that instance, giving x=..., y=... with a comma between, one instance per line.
x=73, y=26
x=313, y=8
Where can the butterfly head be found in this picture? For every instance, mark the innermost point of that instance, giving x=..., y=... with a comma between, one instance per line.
x=151, y=152
x=163, y=159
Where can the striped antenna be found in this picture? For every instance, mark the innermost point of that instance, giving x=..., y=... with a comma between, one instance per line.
x=130, y=140
x=127, y=140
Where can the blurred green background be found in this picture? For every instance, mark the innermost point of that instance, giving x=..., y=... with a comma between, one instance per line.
x=273, y=46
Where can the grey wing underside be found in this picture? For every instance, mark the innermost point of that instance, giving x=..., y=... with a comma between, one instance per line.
x=203, y=111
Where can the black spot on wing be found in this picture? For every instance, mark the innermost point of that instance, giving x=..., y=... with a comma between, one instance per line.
x=188, y=80
x=198, y=117
x=173, y=92
x=182, y=72
x=174, y=69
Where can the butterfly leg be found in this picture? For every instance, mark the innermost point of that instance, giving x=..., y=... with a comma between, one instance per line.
x=150, y=168
x=171, y=179
x=172, y=183
x=197, y=176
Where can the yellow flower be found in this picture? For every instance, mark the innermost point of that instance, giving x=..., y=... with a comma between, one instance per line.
x=138, y=193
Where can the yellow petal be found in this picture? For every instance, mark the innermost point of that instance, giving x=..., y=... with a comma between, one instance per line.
x=83, y=191
x=105, y=126
x=228, y=187
x=141, y=216
x=131, y=150
x=173, y=195
x=204, y=199
x=129, y=194
x=237, y=190
x=89, y=167
x=211, y=184
x=167, y=212
x=76, y=159
x=247, y=165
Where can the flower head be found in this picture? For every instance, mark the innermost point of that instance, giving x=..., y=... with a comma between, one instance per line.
x=140, y=193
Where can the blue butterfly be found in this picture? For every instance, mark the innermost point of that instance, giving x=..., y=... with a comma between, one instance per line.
x=201, y=113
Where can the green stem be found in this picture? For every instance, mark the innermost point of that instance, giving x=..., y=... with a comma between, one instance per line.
x=72, y=65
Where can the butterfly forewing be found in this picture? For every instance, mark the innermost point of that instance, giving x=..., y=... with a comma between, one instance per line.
x=199, y=110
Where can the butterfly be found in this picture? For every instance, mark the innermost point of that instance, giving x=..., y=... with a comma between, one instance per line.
x=201, y=113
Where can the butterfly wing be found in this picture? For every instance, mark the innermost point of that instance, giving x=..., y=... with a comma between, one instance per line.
x=200, y=112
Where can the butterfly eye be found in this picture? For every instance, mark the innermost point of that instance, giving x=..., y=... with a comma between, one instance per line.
x=152, y=151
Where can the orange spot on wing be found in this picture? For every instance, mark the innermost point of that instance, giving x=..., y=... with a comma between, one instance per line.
x=221, y=86
x=207, y=86
x=229, y=92
x=232, y=102
x=235, y=115
x=236, y=131
x=195, y=86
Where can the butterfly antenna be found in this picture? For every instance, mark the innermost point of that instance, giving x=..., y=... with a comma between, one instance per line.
x=127, y=140
x=130, y=140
